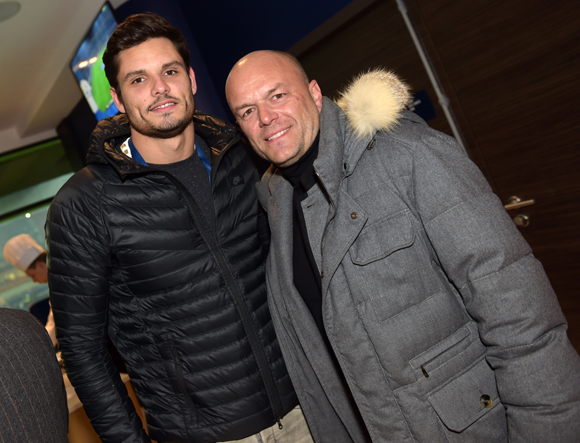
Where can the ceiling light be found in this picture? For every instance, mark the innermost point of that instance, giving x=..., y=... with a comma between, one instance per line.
x=8, y=9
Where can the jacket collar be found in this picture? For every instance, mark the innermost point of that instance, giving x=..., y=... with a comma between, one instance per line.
x=111, y=132
x=339, y=148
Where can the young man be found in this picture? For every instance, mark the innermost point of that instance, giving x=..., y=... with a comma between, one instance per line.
x=393, y=264
x=158, y=243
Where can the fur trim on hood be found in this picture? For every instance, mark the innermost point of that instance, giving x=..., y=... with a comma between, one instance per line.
x=373, y=101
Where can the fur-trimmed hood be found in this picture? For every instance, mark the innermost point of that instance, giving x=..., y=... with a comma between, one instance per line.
x=373, y=101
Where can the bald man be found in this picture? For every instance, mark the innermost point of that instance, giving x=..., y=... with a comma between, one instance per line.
x=405, y=300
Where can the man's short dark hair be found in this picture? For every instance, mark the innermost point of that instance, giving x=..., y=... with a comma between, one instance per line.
x=135, y=30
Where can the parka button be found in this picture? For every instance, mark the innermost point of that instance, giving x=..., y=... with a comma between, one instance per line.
x=486, y=401
x=322, y=274
x=353, y=215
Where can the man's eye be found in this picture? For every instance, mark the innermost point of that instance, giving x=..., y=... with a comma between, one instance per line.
x=171, y=72
x=247, y=112
x=138, y=80
x=278, y=96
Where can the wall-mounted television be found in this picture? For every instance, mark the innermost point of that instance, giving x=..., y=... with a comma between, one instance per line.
x=87, y=64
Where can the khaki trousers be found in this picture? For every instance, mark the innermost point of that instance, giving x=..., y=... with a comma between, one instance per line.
x=294, y=430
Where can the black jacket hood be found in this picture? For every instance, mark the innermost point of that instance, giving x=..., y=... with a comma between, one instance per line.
x=111, y=132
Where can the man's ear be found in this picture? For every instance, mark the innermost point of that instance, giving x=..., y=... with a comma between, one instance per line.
x=117, y=100
x=192, y=79
x=316, y=94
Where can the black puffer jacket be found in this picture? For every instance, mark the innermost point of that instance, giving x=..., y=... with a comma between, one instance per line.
x=184, y=302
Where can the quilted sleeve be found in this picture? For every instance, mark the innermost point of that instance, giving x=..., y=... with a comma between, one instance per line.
x=79, y=265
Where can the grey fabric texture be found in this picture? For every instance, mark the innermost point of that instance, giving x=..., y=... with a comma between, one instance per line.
x=33, y=406
x=432, y=300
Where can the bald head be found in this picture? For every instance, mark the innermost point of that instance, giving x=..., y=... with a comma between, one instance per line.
x=275, y=105
x=267, y=56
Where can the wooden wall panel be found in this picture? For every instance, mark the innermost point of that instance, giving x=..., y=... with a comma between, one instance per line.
x=375, y=37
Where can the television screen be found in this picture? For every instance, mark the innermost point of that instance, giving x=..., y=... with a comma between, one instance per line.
x=88, y=68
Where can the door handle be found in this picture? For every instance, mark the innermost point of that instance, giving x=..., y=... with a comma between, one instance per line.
x=515, y=202
x=523, y=221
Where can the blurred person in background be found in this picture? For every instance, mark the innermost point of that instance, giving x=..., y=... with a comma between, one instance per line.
x=25, y=254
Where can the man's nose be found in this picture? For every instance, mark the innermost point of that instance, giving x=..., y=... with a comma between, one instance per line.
x=160, y=86
x=266, y=115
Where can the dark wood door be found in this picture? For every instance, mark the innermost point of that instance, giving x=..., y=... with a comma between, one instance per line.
x=511, y=72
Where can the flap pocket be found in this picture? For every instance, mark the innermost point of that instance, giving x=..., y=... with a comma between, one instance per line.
x=442, y=351
x=467, y=398
x=383, y=238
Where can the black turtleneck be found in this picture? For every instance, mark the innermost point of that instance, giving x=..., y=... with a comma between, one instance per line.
x=306, y=274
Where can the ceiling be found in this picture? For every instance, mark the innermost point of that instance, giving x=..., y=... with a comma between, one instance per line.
x=38, y=89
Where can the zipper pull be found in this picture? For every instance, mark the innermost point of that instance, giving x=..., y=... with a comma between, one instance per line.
x=280, y=424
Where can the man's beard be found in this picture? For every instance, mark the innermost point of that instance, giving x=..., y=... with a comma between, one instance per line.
x=169, y=128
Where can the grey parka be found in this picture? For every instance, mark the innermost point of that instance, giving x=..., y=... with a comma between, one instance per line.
x=445, y=326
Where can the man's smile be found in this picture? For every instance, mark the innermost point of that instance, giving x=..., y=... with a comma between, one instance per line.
x=278, y=134
x=163, y=105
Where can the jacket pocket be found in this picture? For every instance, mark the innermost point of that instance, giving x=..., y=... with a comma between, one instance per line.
x=383, y=238
x=441, y=352
x=173, y=365
x=390, y=267
x=468, y=398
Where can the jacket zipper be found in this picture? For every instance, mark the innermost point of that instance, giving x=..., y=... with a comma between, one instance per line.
x=210, y=238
